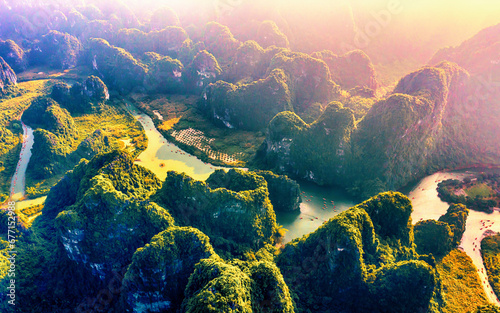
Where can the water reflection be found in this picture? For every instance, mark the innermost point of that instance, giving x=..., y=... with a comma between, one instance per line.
x=318, y=206
x=162, y=156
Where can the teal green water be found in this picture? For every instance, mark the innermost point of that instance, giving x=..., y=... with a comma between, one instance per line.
x=319, y=204
x=162, y=156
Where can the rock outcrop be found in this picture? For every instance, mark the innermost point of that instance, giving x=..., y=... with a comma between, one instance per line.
x=115, y=66
x=7, y=76
x=353, y=69
x=45, y=113
x=202, y=71
x=56, y=49
x=157, y=277
x=478, y=55
x=102, y=219
x=220, y=287
x=350, y=262
x=284, y=192
x=13, y=55
x=270, y=35
x=309, y=79
x=81, y=97
x=247, y=106
x=238, y=211
x=320, y=151
x=220, y=41
x=167, y=41
x=164, y=17
x=432, y=120
x=165, y=76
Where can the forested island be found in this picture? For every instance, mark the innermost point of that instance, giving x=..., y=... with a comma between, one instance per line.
x=262, y=105
x=481, y=193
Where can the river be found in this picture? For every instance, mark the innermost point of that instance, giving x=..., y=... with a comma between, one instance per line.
x=17, y=188
x=313, y=211
x=322, y=203
x=427, y=205
x=162, y=156
x=319, y=203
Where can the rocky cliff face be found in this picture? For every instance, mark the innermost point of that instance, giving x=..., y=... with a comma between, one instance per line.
x=240, y=211
x=469, y=121
x=159, y=272
x=95, y=90
x=106, y=223
x=432, y=120
x=303, y=150
x=346, y=261
x=284, y=192
x=7, y=75
x=13, y=55
x=353, y=69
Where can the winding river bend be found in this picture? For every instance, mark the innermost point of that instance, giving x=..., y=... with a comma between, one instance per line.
x=162, y=156
x=319, y=203
x=427, y=205
x=322, y=203
x=17, y=188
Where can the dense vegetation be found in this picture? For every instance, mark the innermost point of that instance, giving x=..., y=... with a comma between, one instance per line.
x=462, y=286
x=490, y=251
x=440, y=237
x=480, y=194
x=250, y=106
x=109, y=216
x=81, y=124
x=400, y=139
x=236, y=196
x=11, y=129
x=112, y=237
x=352, y=261
x=354, y=69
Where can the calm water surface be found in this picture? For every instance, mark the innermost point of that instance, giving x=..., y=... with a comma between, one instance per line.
x=319, y=203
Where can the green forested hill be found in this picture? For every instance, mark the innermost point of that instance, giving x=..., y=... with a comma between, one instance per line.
x=112, y=237
x=110, y=216
x=419, y=128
